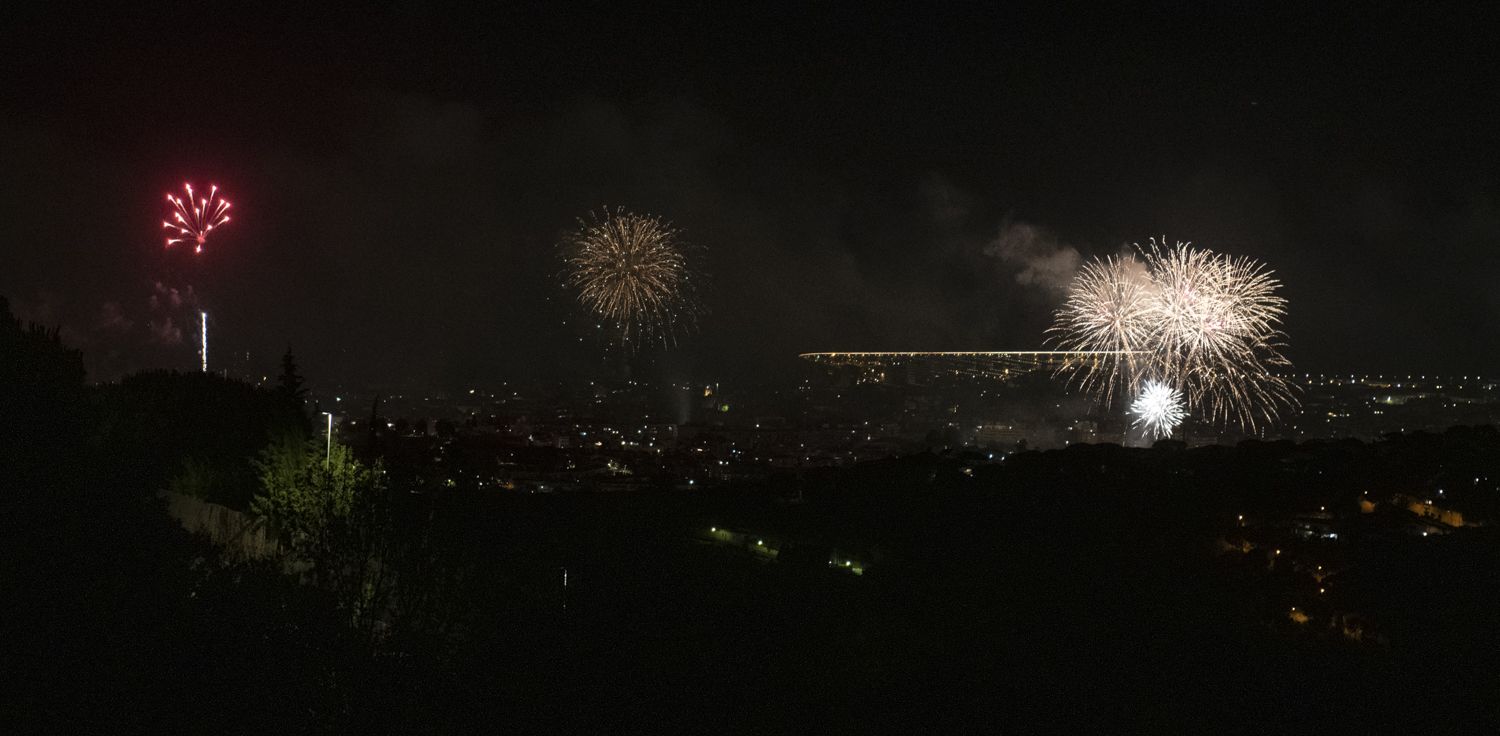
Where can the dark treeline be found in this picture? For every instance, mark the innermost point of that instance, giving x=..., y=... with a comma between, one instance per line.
x=1080, y=589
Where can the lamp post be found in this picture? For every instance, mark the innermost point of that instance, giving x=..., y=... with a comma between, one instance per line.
x=328, y=450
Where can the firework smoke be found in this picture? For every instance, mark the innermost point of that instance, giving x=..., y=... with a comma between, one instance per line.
x=1043, y=260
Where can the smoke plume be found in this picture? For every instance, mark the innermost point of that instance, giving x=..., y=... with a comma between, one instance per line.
x=1041, y=259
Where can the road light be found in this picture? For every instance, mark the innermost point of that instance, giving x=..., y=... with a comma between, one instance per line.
x=328, y=450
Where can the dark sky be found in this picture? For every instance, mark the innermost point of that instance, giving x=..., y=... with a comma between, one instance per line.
x=860, y=179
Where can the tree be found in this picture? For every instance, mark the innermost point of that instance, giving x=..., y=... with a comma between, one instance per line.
x=290, y=380
x=42, y=407
x=332, y=510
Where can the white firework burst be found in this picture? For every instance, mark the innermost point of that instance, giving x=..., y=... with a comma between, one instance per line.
x=1158, y=408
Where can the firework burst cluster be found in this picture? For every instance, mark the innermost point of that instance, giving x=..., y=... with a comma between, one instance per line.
x=191, y=220
x=634, y=272
x=1185, y=319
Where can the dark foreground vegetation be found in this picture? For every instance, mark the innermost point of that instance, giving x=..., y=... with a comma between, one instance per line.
x=1096, y=588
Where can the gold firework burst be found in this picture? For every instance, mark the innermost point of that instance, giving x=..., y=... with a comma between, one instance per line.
x=633, y=271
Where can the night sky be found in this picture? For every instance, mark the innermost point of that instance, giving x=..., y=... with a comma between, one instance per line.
x=860, y=179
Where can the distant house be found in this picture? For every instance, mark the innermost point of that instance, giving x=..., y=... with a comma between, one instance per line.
x=1427, y=510
x=1002, y=436
x=758, y=545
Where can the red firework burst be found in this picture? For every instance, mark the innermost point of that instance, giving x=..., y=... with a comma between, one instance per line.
x=192, y=219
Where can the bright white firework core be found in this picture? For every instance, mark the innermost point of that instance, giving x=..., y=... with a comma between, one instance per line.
x=203, y=336
x=1158, y=408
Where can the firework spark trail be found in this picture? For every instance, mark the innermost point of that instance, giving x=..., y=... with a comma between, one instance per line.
x=1158, y=409
x=1197, y=321
x=191, y=220
x=632, y=271
x=1108, y=311
x=203, y=336
x=1216, y=317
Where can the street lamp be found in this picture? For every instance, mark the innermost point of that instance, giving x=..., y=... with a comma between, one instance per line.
x=328, y=451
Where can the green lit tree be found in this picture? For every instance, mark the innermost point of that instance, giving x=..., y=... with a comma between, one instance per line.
x=332, y=512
